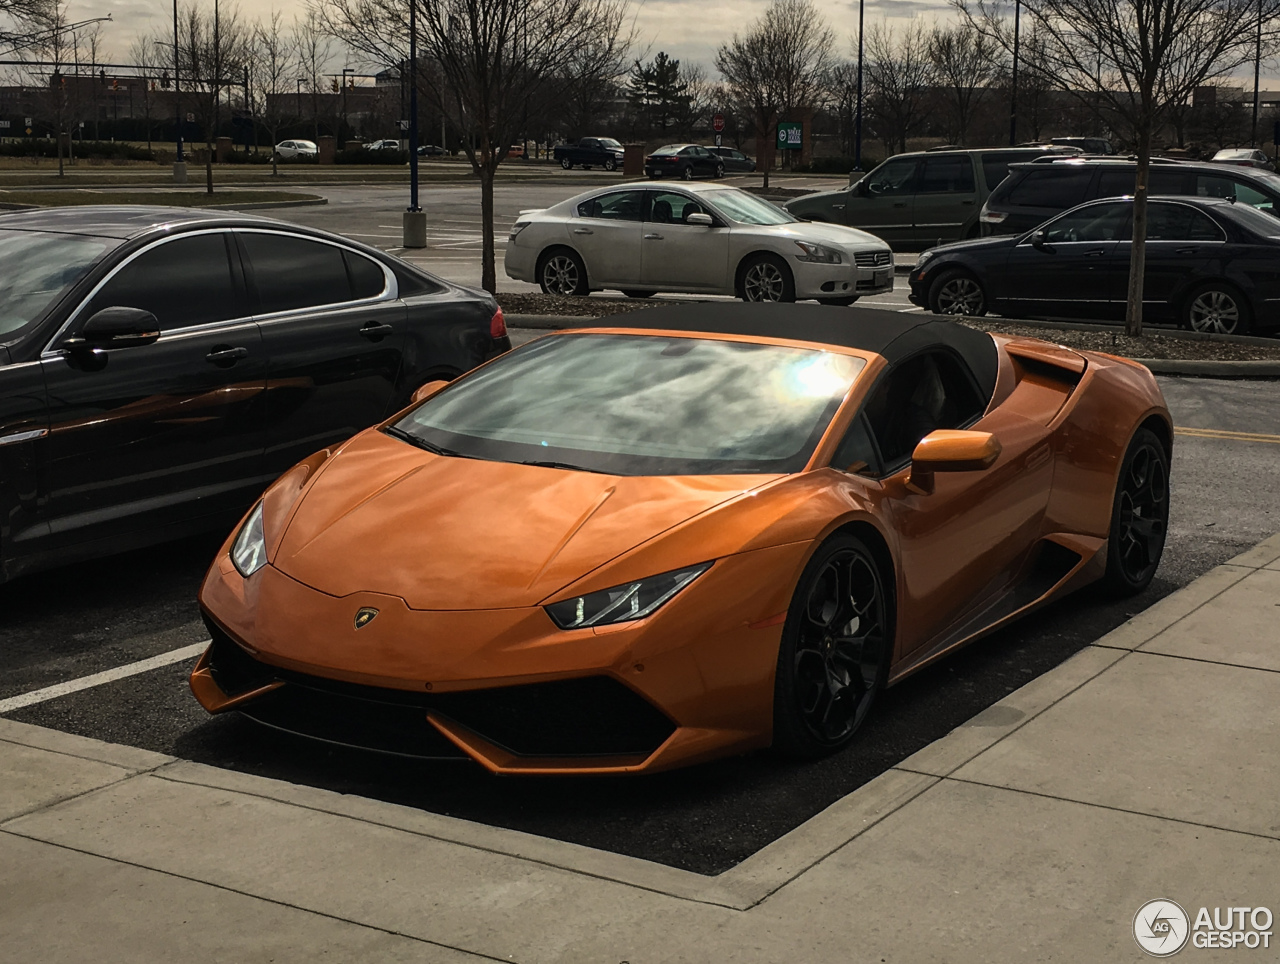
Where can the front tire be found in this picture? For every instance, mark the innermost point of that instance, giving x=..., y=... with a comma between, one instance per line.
x=561, y=272
x=566, y=163
x=719, y=170
x=610, y=165
x=836, y=646
x=766, y=278
x=1139, y=516
x=957, y=292
x=1216, y=308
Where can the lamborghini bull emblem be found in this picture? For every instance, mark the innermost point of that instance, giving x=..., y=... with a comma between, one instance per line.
x=365, y=616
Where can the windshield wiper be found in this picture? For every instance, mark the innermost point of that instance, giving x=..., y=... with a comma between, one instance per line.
x=422, y=443
x=563, y=465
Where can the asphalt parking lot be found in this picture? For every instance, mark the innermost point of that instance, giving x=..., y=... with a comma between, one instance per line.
x=61, y=626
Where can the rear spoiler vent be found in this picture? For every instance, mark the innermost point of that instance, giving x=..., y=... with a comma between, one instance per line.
x=1048, y=361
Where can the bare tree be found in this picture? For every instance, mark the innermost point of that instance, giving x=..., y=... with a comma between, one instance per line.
x=54, y=45
x=315, y=52
x=592, y=75
x=273, y=70
x=965, y=61
x=149, y=61
x=20, y=20
x=1131, y=59
x=213, y=48
x=778, y=67
x=480, y=60
x=898, y=76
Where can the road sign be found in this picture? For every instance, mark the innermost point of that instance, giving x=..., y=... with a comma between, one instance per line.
x=4, y=125
x=717, y=123
x=404, y=125
x=191, y=118
x=28, y=130
x=719, y=138
x=27, y=122
x=789, y=136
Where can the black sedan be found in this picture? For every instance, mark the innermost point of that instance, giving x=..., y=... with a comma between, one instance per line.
x=159, y=368
x=683, y=161
x=735, y=162
x=1212, y=265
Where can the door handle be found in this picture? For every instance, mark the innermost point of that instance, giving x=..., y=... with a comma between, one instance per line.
x=1186, y=250
x=374, y=331
x=837, y=207
x=1095, y=253
x=225, y=356
x=967, y=202
x=653, y=237
x=583, y=231
x=899, y=204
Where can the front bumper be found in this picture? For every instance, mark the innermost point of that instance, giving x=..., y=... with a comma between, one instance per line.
x=840, y=280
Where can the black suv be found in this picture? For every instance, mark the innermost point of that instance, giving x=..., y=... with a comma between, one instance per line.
x=1035, y=192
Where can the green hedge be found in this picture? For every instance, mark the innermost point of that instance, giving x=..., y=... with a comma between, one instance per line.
x=48, y=147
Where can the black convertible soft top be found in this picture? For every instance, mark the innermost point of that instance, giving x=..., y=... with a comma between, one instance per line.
x=893, y=335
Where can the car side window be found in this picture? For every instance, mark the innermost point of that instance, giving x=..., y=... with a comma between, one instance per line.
x=1098, y=222
x=1178, y=222
x=894, y=177
x=1051, y=188
x=619, y=206
x=671, y=208
x=184, y=282
x=947, y=175
x=927, y=392
x=1218, y=185
x=291, y=273
x=367, y=278
x=1120, y=182
x=856, y=453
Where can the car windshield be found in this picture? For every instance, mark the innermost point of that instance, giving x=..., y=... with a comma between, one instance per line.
x=747, y=208
x=610, y=142
x=38, y=268
x=640, y=405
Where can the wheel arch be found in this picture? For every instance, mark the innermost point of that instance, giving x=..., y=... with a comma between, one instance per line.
x=742, y=265
x=551, y=249
x=1159, y=426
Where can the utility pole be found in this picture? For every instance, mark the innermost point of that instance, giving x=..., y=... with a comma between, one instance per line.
x=1257, y=67
x=1013, y=81
x=857, y=114
x=180, y=163
x=414, y=220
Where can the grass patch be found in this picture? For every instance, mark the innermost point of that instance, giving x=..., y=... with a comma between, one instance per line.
x=181, y=199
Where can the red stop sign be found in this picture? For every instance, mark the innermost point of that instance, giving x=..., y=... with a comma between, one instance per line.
x=717, y=123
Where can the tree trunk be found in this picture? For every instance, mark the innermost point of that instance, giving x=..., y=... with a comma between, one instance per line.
x=1138, y=247
x=488, y=272
x=208, y=166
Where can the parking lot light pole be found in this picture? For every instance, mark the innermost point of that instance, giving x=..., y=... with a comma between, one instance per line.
x=1013, y=81
x=857, y=114
x=1257, y=67
x=180, y=162
x=414, y=219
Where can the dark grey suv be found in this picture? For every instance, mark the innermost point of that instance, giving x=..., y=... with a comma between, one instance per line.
x=1035, y=192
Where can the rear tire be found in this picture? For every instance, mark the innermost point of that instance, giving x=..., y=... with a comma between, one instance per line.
x=1139, y=516
x=766, y=278
x=836, y=646
x=611, y=165
x=956, y=292
x=687, y=174
x=566, y=163
x=1216, y=308
x=719, y=170
x=561, y=272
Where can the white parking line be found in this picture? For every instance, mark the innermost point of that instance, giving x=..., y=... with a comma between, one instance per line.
x=106, y=676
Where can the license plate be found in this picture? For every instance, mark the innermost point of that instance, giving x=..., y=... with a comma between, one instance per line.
x=883, y=277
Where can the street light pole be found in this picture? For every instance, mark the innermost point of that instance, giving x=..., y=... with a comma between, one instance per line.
x=857, y=114
x=414, y=219
x=180, y=163
x=1013, y=83
x=1257, y=67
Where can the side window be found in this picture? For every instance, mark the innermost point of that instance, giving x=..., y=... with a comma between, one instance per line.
x=292, y=273
x=619, y=206
x=922, y=394
x=1098, y=222
x=1051, y=188
x=367, y=279
x=672, y=208
x=947, y=175
x=894, y=177
x=1177, y=222
x=183, y=283
x=1219, y=185
x=856, y=453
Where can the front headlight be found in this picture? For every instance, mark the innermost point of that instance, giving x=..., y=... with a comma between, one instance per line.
x=632, y=600
x=921, y=259
x=817, y=253
x=249, y=551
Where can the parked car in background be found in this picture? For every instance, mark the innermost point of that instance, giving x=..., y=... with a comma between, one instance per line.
x=1212, y=265
x=735, y=162
x=918, y=199
x=387, y=144
x=431, y=150
x=1037, y=191
x=711, y=239
x=516, y=152
x=160, y=367
x=1244, y=157
x=1090, y=145
x=288, y=150
x=590, y=152
x=683, y=161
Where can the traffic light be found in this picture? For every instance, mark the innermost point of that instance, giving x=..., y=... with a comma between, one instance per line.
x=351, y=83
x=115, y=83
x=153, y=84
x=102, y=75
x=57, y=79
x=334, y=85
x=164, y=80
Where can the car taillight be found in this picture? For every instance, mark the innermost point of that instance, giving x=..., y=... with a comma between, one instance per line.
x=497, y=325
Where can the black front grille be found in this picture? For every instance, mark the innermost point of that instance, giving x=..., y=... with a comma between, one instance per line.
x=592, y=716
x=873, y=259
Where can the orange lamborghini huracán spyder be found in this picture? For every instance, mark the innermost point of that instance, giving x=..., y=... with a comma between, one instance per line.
x=682, y=533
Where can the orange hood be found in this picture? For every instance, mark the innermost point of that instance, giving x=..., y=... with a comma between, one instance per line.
x=455, y=533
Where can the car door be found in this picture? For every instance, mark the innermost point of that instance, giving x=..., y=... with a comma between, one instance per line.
x=678, y=256
x=946, y=199
x=959, y=545
x=606, y=233
x=1077, y=268
x=24, y=425
x=883, y=202
x=334, y=331
x=158, y=434
x=1182, y=246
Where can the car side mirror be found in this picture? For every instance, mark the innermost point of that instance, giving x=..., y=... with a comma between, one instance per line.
x=701, y=219
x=950, y=450
x=118, y=327
x=1040, y=238
x=423, y=392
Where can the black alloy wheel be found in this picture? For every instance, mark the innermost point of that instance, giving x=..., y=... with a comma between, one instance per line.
x=561, y=272
x=1139, y=516
x=687, y=173
x=566, y=163
x=956, y=292
x=835, y=651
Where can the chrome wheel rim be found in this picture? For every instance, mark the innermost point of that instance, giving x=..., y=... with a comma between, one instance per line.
x=688, y=174
x=610, y=165
x=1144, y=513
x=560, y=275
x=1216, y=312
x=763, y=281
x=840, y=646
x=960, y=296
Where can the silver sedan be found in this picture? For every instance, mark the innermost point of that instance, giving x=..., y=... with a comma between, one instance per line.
x=702, y=239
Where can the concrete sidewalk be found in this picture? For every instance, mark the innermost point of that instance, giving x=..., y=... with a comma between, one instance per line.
x=1144, y=767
